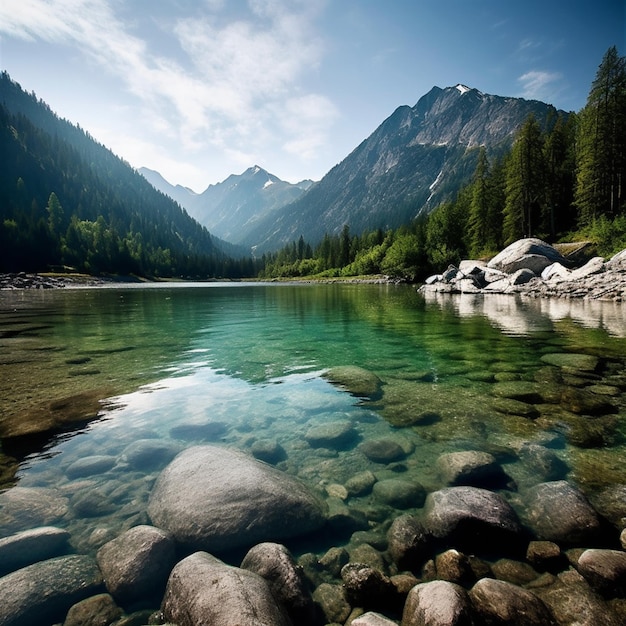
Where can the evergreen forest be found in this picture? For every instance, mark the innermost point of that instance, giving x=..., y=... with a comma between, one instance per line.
x=565, y=183
x=68, y=203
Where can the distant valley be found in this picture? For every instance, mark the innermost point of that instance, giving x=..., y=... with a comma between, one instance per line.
x=233, y=208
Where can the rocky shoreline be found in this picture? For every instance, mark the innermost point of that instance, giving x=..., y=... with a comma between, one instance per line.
x=533, y=268
x=24, y=280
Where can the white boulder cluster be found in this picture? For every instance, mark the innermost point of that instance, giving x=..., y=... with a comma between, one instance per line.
x=534, y=268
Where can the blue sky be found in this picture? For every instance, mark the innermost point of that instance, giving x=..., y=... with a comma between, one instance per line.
x=200, y=89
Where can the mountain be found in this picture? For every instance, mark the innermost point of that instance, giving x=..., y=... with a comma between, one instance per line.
x=417, y=158
x=66, y=200
x=232, y=208
x=179, y=193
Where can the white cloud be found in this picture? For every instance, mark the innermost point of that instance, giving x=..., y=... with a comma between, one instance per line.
x=540, y=85
x=238, y=82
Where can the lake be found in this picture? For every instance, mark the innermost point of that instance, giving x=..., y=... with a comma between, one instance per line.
x=243, y=365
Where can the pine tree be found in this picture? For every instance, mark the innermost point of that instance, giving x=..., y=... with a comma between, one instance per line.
x=560, y=166
x=484, y=212
x=525, y=187
x=601, y=145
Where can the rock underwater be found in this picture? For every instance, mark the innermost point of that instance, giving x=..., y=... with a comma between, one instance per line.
x=216, y=499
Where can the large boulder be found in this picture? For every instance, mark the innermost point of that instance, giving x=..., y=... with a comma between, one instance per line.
x=605, y=570
x=30, y=546
x=274, y=563
x=470, y=467
x=204, y=590
x=43, y=593
x=409, y=542
x=437, y=603
x=557, y=511
x=530, y=253
x=24, y=507
x=217, y=499
x=499, y=602
x=137, y=564
x=472, y=518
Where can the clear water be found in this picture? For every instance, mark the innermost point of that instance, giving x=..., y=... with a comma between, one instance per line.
x=247, y=359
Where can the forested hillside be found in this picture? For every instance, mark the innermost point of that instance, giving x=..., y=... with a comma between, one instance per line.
x=562, y=183
x=67, y=201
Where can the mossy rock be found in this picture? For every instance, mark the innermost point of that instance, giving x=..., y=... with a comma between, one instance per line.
x=356, y=380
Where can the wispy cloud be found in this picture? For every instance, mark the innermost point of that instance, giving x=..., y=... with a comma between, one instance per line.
x=237, y=82
x=540, y=85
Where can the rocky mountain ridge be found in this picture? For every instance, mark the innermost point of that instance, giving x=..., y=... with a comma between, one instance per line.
x=231, y=208
x=417, y=158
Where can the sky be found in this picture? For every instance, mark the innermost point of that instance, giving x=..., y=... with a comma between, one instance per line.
x=201, y=89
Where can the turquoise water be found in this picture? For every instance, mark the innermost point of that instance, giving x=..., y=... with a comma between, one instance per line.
x=243, y=364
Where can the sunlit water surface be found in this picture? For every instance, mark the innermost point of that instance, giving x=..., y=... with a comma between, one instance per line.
x=232, y=364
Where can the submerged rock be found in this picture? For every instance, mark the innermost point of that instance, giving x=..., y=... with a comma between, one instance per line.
x=274, y=563
x=356, y=380
x=382, y=450
x=557, y=511
x=499, y=602
x=94, y=611
x=437, y=603
x=470, y=467
x=48, y=588
x=137, y=563
x=30, y=546
x=217, y=499
x=204, y=590
x=331, y=435
x=472, y=518
x=605, y=570
x=22, y=507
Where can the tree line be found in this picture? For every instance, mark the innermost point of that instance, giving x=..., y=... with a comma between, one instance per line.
x=561, y=183
x=68, y=202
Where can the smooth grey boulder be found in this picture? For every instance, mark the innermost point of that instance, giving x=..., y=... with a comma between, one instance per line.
x=522, y=276
x=437, y=603
x=203, y=590
x=23, y=507
x=470, y=518
x=409, y=542
x=331, y=434
x=572, y=601
x=268, y=451
x=274, y=563
x=400, y=493
x=605, y=570
x=30, y=546
x=148, y=454
x=217, y=499
x=382, y=450
x=557, y=511
x=99, y=610
x=137, y=564
x=470, y=467
x=90, y=465
x=44, y=592
x=499, y=602
x=530, y=253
